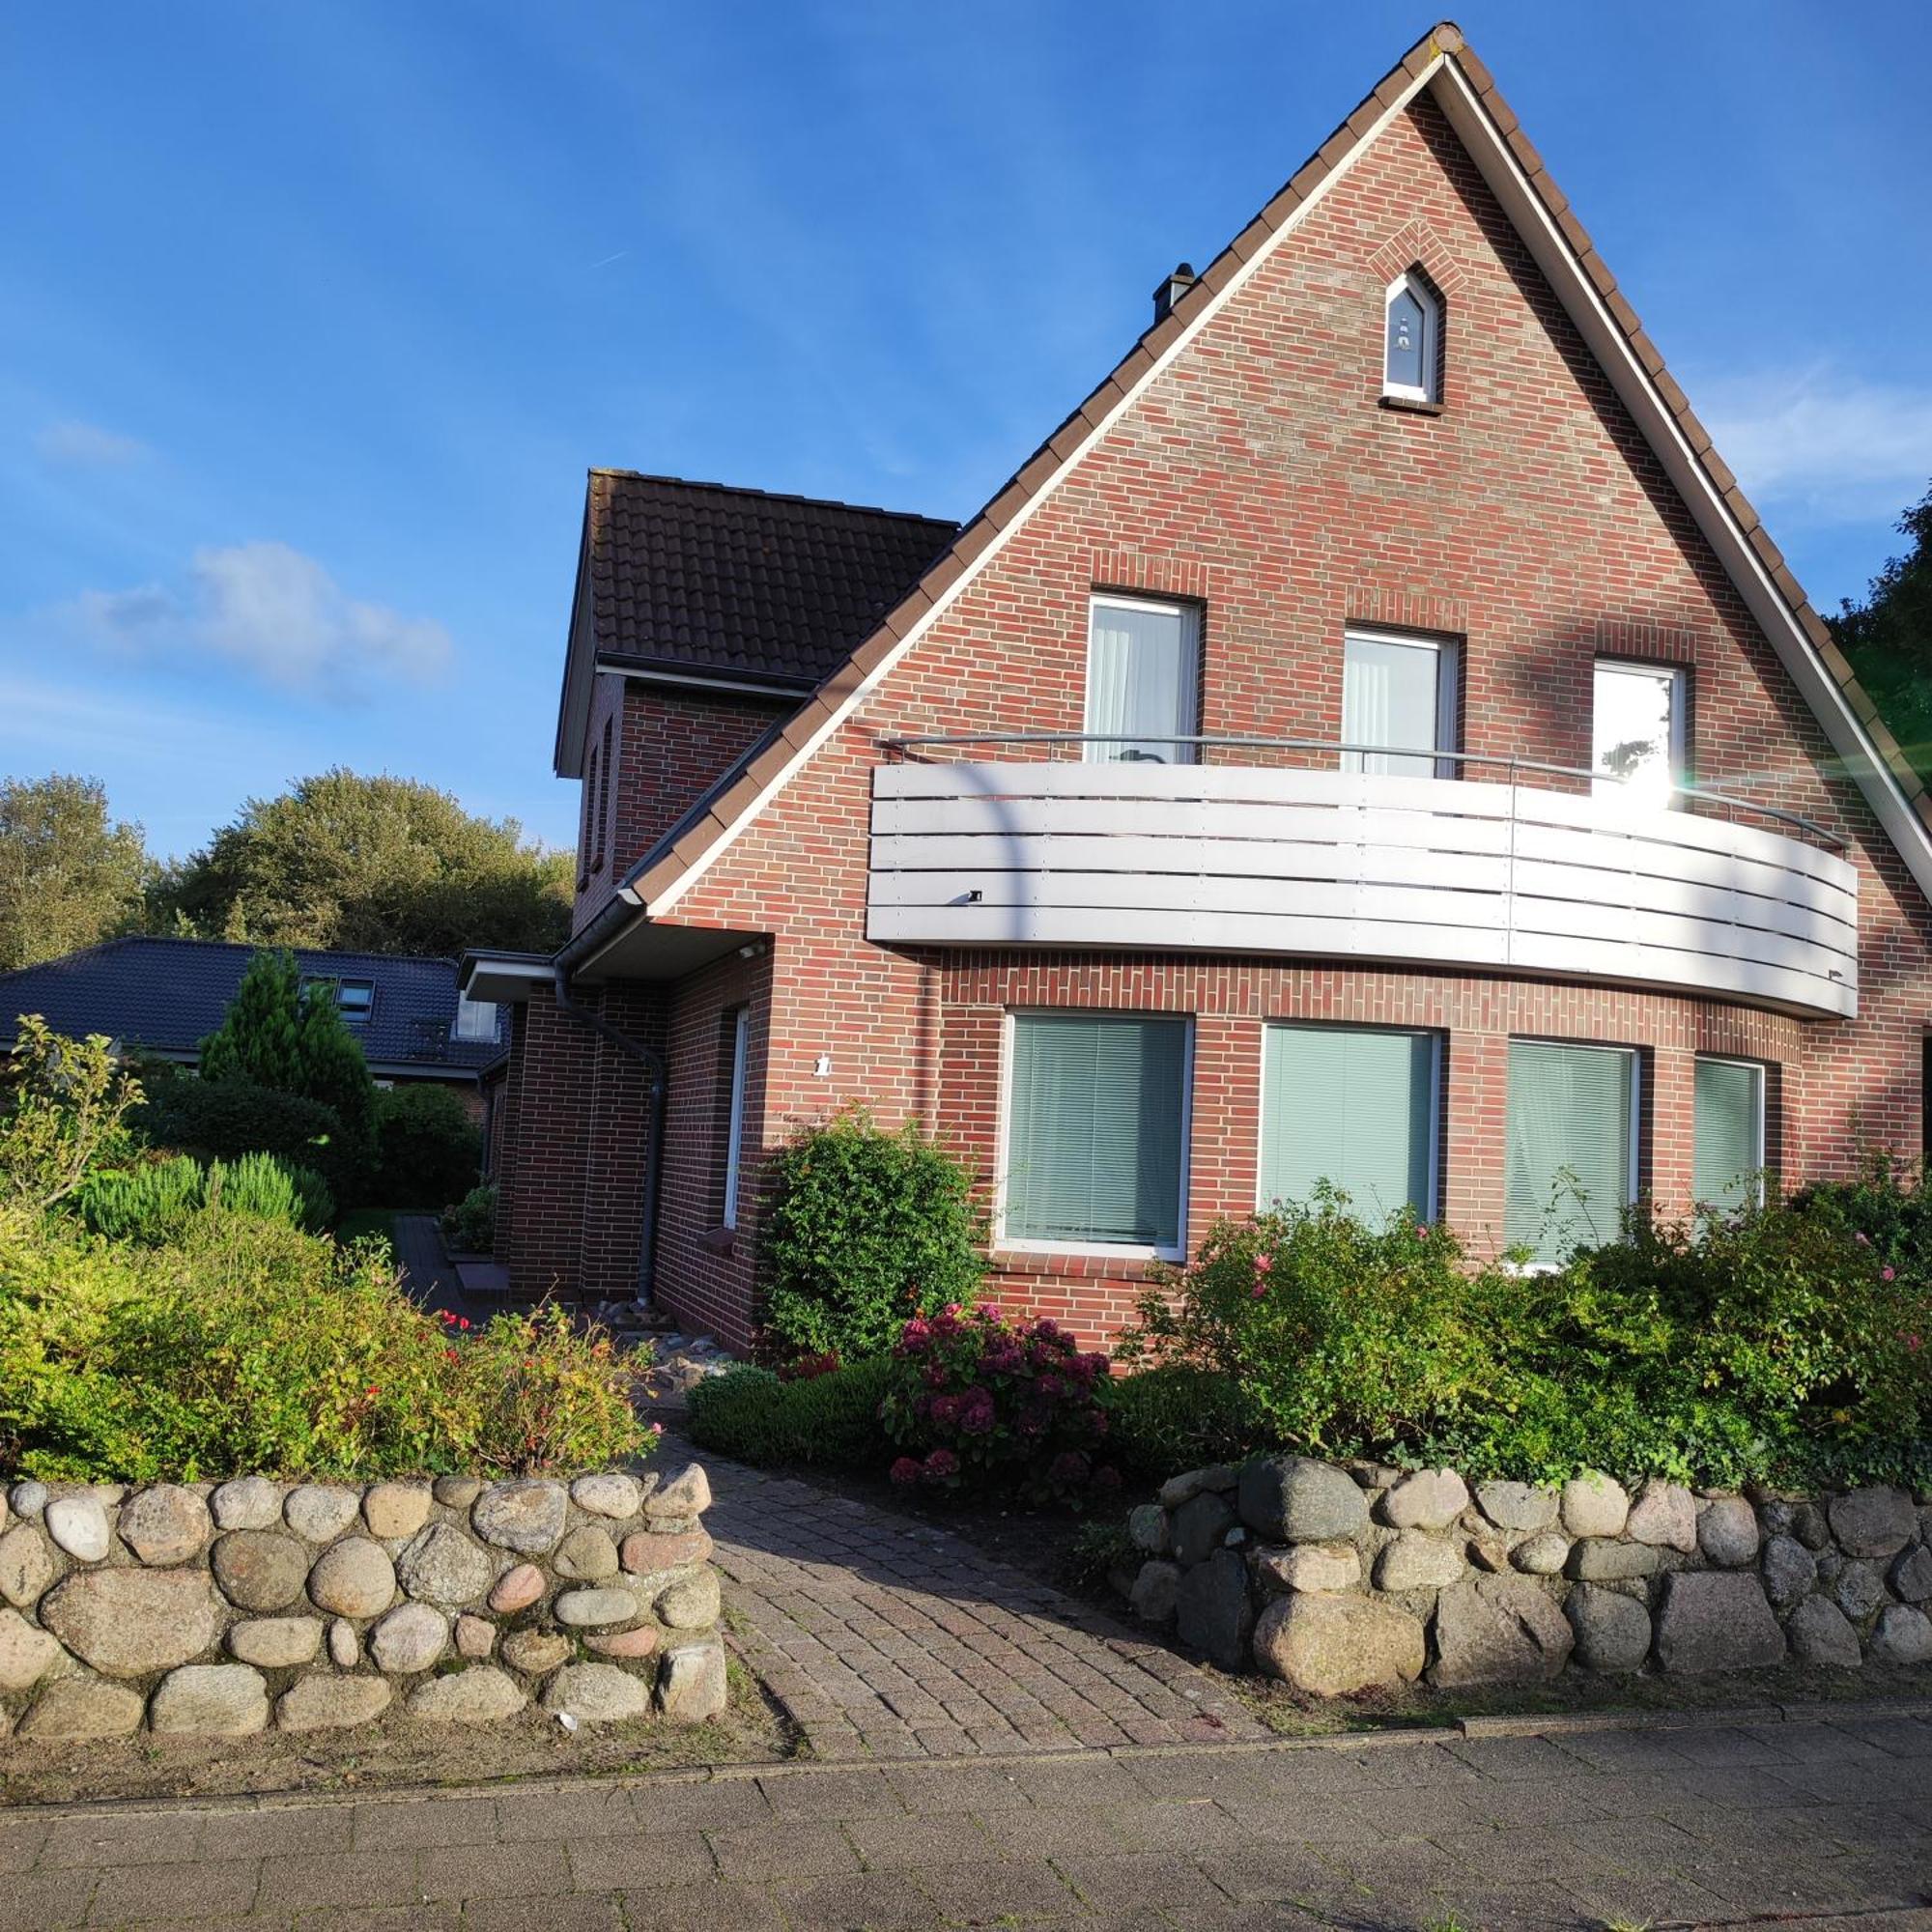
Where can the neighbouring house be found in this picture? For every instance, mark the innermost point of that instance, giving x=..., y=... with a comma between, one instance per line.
x=163, y=997
x=1372, y=738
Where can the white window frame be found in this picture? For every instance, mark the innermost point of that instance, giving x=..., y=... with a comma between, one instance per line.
x=1430, y=1210
x=1001, y=1145
x=1190, y=621
x=1677, y=676
x=1762, y=1070
x=1448, y=691
x=1429, y=390
x=1632, y=1153
x=734, y=1133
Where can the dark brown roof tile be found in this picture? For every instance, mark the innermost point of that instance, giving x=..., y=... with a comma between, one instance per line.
x=743, y=583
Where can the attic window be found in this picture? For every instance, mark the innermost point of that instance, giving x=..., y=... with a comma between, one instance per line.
x=1412, y=342
x=355, y=999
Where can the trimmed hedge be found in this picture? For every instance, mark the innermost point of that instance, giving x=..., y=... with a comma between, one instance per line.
x=827, y=1421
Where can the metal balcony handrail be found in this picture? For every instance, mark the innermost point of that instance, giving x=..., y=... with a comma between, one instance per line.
x=1512, y=763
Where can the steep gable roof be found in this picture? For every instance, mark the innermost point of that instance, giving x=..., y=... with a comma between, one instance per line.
x=1442, y=62
x=707, y=584
x=168, y=995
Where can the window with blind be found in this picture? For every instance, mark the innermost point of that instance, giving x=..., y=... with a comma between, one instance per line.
x=1352, y=1106
x=1398, y=692
x=1728, y=1156
x=1096, y=1131
x=1142, y=677
x=1572, y=1145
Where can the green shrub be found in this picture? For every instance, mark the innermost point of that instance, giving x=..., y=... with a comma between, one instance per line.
x=273, y=1189
x=1771, y=1346
x=63, y=1109
x=1347, y=1339
x=863, y=1230
x=469, y=1225
x=1777, y=1346
x=152, y=1201
x=427, y=1146
x=245, y=1344
x=827, y=1421
x=223, y=1119
x=980, y=1400
x=1177, y=1417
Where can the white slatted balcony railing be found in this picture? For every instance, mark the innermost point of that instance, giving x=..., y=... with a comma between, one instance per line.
x=1518, y=877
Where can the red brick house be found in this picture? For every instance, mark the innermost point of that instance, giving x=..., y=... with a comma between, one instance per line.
x=1372, y=738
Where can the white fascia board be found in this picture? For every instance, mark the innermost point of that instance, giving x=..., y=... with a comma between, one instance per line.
x=1654, y=418
x=697, y=681
x=1181, y=344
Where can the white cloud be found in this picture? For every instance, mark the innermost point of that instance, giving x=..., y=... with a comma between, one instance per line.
x=1835, y=449
x=80, y=445
x=276, y=615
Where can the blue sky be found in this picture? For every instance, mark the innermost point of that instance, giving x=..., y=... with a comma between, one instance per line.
x=312, y=316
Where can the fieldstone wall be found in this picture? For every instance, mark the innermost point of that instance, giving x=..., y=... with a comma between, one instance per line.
x=218, y=1609
x=1337, y=1579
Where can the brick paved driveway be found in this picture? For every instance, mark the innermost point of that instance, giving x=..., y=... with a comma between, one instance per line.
x=1810, y=1823
x=886, y=1638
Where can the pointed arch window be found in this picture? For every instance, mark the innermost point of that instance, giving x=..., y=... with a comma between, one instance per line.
x=1412, y=339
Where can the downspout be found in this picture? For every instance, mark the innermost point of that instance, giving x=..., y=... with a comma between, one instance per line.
x=653, y=1061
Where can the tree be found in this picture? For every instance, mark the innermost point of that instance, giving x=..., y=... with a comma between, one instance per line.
x=329, y=1063
x=1888, y=638
x=69, y=876
x=371, y=864
x=260, y=1035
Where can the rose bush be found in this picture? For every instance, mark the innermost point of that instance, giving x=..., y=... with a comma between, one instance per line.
x=980, y=1399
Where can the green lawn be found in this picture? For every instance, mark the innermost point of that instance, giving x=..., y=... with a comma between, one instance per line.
x=369, y=1221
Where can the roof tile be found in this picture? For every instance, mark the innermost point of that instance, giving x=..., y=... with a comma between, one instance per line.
x=742, y=582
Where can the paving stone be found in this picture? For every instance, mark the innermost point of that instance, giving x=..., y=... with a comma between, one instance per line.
x=173, y=1894
x=494, y=1872
x=880, y=1902
x=808, y=1850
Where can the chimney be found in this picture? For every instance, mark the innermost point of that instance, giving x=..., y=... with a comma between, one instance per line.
x=1172, y=290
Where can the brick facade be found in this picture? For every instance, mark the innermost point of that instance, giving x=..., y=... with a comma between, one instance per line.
x=666, y=745
x=1260, y=475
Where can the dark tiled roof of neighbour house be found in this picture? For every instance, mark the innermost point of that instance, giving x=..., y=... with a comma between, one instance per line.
x=167, y=995
x=727, y=803
x=711, y=582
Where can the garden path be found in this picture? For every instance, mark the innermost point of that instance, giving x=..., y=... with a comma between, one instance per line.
x=889, y=1638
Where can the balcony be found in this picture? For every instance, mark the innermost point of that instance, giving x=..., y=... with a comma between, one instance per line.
x=1533, y=871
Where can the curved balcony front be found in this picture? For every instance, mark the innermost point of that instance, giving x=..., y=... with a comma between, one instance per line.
x=1517, y=877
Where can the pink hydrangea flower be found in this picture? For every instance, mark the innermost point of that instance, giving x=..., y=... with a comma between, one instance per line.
x=1888, y=1274
x=941, y=1466
x=906, y=1471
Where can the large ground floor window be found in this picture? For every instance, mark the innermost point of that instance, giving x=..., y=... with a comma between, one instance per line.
x=1354, y=1106
x=1096, y=1132
x=1571, y=1131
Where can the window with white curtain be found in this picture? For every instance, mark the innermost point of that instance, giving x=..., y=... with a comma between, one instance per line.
x=475, y=1019
x=1143, y=681
x=1399, y=692
x=1570, y=1137
x=1636, y=732
x=1412, y=347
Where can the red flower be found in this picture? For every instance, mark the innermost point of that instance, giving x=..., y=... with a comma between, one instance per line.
x=906, y=1471
x=941, y=1466
x=1888, y=1274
